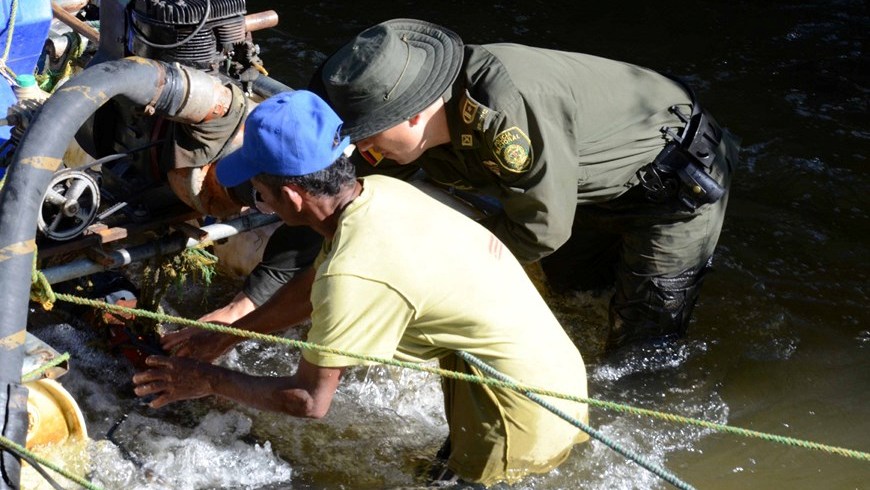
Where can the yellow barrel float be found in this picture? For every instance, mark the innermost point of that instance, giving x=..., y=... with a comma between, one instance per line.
x=53, y=414
x=56, y=431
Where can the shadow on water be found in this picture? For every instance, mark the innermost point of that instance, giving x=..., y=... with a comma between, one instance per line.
x=780, y=338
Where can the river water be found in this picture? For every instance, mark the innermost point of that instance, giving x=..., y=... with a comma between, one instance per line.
x=780, y=341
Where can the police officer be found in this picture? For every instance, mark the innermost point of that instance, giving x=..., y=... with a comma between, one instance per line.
x=606, y=172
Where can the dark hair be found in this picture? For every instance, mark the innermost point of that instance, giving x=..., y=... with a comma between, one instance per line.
x=327, y=182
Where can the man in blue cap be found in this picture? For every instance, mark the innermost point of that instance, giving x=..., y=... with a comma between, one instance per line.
x=384, y=286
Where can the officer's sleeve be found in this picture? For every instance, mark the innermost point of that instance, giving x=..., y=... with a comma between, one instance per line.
x=290, y=249
x=538, y=175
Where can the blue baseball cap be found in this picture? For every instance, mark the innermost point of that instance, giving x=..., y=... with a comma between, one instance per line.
x=290, y=134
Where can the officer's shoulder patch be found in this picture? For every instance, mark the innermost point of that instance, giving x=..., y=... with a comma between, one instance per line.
x=372, y=156
x=474, y=114
x=469, y=109
x=513, y=150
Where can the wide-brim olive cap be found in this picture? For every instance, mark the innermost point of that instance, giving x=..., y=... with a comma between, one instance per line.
x=389, y=73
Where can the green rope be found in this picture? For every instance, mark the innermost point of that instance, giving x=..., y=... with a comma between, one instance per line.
x=627, y=453
x=49, y=79
x=40, y=288
x=618, y=407
x=37, y=373
x=10, y=30
x=25, y=454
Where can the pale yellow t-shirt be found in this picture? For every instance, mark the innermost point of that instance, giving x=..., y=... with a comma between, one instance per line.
x=409, y=278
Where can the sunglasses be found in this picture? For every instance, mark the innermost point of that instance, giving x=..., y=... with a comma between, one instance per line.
x=260, y=204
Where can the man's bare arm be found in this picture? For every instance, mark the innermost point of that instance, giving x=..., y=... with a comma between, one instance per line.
x=308, y=393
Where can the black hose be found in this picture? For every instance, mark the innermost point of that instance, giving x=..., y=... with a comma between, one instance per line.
x=141, y=81
x=266, y=86
x=13, y=400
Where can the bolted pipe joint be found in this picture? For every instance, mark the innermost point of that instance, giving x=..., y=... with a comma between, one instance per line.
x=205, y=96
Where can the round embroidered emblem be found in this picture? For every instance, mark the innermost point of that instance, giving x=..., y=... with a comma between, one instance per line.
x=515, y=156
x=513, y=150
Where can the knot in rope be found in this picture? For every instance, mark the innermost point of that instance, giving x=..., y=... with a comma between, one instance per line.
x=40, y=289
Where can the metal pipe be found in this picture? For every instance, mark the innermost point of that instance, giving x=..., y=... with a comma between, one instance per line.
x=261, y=20
x=266, y=86
x=166, y=245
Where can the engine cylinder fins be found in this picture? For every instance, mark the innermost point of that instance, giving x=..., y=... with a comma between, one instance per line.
x=189, y=12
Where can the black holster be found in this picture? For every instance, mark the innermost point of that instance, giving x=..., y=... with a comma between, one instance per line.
x=682, y=168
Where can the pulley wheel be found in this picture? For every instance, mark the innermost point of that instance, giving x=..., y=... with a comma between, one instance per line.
x=69, y=206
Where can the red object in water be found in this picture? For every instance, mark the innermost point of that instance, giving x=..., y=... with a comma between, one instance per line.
x=135, y=348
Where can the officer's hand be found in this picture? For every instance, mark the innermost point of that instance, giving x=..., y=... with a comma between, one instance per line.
x=172, y=379
x=202, y=345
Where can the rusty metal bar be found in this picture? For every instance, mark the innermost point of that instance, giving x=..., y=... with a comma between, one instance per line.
x=74, y=23
x=261, y=20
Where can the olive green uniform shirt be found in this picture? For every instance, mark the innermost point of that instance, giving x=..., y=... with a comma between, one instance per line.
x=544, y=131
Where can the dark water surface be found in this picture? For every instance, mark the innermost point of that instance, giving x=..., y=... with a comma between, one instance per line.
x=780, y=341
